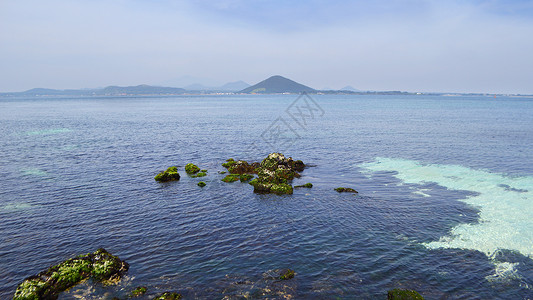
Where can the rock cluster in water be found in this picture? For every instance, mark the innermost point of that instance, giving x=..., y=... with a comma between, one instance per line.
x=274, y=174
x=99, y=265
x=170, y=174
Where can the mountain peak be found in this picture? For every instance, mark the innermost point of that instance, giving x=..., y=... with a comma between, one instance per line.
x=277, y=84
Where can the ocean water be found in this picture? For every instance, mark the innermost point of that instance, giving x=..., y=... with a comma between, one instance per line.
x=444, y=207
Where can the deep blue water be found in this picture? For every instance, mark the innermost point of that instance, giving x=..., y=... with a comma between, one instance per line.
x=77, y=174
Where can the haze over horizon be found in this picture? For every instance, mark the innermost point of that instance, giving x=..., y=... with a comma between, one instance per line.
x=407, y=45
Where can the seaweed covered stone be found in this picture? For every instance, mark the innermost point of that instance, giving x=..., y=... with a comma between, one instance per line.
x=99, y=266
x=307, y=185
x=201, y=184
x=191, y=168
x=168, y=296
x=171, y=174
x=138, y=291
x=199, y=174
x=286, y=274
x=275, y=174
x=231, y=178
x=399, y=294
x=243, y=167
x=345, y=190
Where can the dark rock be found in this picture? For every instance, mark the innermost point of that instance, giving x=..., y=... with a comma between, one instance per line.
x=345, y=190
x=398, y=294
x=171, y=174
x=100, y=266
x=241, y=167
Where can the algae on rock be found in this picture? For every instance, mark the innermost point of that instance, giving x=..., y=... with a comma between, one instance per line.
x=191, y=168
x=399, y=294
x=169, y=175
x=168, y=296
x=99, y=266
x=275, y=174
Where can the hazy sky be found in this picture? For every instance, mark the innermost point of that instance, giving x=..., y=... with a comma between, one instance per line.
x=408, y=45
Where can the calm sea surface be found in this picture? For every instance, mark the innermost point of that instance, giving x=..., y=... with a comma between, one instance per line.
x=445, y=203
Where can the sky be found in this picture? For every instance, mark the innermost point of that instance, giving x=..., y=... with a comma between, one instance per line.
x=408, y=45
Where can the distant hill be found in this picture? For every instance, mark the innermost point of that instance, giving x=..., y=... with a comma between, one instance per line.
x=228, y=87
x=277, y=84
x=235, y=86
x=108, y=91
x=350, y=88
x=142, y=89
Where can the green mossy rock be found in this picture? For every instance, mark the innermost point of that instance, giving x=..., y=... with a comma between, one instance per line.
x=201, y=184
x=307, y=185
x=199, y=174
x=275, y=173
x=398, y=294
x=229, y=162
x=203, y=170
x=168, y=296
x=287, y=274
x=171, y=174
x=245, y=177
x=99, y=265
x=231, y=178
x=345, y=190
x=138, y=291
x=191, y=168
x=281, y=189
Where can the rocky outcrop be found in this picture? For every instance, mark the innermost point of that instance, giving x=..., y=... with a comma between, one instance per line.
x=275, y=174
x=99, y=265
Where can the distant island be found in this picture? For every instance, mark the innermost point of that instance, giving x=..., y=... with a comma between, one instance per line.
x=277, y=85
x=273, y=85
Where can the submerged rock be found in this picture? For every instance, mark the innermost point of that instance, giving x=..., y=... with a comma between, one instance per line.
x=168, y=296
x=201, y=184
x=191, y=168
x=138, y=291
x=286, y=274
x=398, y=294
x=345, y=190
x=169, y=175
x=100, y=266
x=307, y=185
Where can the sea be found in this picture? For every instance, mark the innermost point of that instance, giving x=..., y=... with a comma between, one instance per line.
x=444, y=203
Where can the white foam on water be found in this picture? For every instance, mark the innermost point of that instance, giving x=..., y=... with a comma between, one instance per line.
x=48, y=131
x=34, y=172
x=16, y=206
x=504, y=272
x=505, y=204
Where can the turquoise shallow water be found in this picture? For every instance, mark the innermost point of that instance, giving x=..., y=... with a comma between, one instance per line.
x=444, y=203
